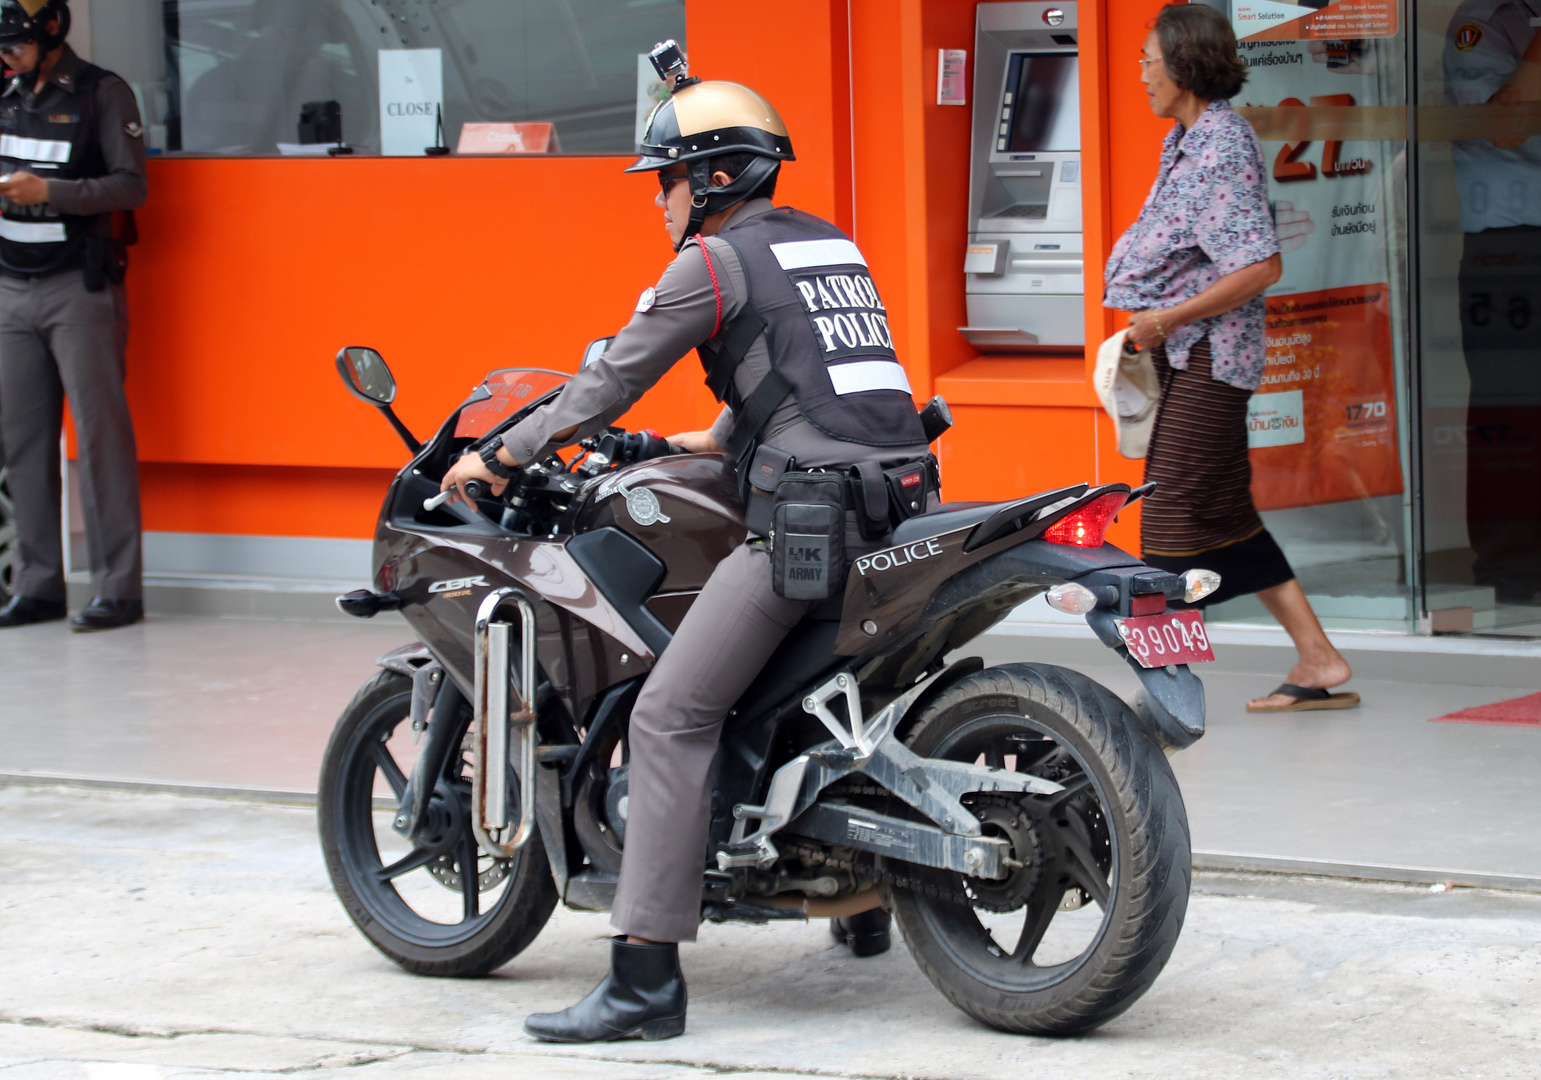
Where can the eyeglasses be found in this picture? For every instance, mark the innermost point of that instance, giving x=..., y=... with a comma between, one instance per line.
x=1146, y=61
x=667, y=182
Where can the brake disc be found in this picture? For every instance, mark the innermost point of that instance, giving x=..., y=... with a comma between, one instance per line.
x=447, y=873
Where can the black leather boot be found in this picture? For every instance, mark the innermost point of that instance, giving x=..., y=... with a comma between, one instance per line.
x=642, y=997
x=24, y=611
x=866, y=934
x=102, y=614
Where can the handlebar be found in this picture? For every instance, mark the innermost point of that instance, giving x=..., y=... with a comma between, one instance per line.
x=476, y=490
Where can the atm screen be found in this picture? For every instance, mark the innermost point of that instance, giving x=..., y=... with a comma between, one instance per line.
x=1044, y=100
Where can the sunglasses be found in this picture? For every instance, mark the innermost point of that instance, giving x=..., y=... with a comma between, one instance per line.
x=667, y=182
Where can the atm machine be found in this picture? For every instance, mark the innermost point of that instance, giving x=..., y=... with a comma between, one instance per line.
x=1024, y=262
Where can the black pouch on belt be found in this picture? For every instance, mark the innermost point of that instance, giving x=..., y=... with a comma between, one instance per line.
x=910, y=486
x=765, y=472
x=808, y=541
x=869, y=497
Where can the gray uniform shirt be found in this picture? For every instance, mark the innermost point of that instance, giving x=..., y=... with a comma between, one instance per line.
x=1499, y=188
x=118, y=130
x=677, y=316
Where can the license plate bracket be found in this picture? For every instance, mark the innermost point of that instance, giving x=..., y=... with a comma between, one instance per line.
x=1173, y=637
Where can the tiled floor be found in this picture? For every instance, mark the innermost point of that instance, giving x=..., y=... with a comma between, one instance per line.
x=249, y=703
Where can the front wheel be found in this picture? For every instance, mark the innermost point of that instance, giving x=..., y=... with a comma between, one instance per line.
x=440, y=906
x=1093, y=905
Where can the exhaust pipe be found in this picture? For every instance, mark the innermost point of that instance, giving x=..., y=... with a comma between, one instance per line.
x=495, y=722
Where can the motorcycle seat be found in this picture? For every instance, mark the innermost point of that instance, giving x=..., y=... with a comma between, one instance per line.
x=946, y=518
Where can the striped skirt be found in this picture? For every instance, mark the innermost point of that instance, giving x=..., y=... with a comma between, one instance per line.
x=1202, y=505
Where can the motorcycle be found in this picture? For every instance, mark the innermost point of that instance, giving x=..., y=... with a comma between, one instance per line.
x=1021, y=821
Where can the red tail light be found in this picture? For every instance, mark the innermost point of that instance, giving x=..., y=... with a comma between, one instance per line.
x=1087, y=526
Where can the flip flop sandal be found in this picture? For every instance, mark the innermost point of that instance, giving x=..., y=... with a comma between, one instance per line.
x=1308, y=699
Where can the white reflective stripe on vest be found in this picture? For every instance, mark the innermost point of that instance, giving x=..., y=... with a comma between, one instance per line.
x=33, y=232
x=866, y=375
x=800, y=254
x=14, y=146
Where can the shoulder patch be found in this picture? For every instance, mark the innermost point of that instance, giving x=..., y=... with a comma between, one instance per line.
x=1466, y=37
x=133, y=129
x=646, y=301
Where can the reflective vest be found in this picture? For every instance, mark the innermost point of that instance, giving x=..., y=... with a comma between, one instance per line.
x=56, y=143
x=812, y=297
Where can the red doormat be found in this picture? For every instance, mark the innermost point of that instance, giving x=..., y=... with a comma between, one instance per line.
x=1521, y=711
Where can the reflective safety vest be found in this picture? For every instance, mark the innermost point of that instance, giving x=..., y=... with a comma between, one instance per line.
x=812, y=297
x=57, y=142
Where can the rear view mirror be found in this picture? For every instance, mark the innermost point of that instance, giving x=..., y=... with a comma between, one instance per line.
x=594, y=350
x=365, y=375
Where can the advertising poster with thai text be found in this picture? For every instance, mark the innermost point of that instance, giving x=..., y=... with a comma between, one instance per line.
x=1322, y=427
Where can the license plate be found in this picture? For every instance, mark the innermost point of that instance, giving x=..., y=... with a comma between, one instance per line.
x=1176, y=637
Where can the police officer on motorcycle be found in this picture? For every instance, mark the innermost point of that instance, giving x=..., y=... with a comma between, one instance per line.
x=793, y=336
x=73, y=158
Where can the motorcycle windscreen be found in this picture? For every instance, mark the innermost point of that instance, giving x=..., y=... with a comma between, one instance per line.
x=511, y=390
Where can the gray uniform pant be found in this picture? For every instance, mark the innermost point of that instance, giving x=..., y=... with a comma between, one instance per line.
x=57, y=340
x=723, y=642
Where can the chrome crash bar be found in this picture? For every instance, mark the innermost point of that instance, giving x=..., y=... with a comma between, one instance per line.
x=495, y=721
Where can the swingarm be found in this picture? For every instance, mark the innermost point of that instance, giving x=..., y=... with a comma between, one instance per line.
x=931, y=785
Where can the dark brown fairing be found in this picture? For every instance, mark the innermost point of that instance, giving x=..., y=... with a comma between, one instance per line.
x=585, y=644
x=699, y=495
x=893, y=588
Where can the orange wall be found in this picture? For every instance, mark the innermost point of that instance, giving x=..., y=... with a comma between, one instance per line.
x=252, y=273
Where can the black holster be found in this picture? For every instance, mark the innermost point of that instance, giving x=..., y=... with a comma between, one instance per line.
x=104, y=258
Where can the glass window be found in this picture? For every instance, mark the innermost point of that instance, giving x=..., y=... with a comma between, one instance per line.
x=1478, y=233
x=233, y=76
x=1330, y=426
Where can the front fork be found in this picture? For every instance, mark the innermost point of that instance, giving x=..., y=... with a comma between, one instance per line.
x=494, y=722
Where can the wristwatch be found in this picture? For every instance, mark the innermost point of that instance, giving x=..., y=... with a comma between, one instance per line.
x=488, y=452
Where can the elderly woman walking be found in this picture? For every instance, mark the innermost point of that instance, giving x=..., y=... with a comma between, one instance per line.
x=1192, y=271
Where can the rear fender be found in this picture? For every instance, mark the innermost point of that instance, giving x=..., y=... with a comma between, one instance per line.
x=956, y=671
x=1171, y=698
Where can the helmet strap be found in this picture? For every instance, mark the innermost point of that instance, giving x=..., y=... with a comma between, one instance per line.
x=700, y=189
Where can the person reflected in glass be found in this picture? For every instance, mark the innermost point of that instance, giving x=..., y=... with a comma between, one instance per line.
x=1192, y=271
x=1492, y=58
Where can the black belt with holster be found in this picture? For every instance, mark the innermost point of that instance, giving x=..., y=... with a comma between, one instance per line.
x=803, y=514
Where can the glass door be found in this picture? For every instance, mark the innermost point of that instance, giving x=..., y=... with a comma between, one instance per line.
x=1330, y=428
x=1476, y=79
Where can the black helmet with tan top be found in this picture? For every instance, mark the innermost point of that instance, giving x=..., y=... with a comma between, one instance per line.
x=27, y=20
x=703, y=120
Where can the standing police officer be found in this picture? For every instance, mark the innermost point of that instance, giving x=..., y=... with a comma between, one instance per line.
x=1493, y=58
x=72, y=154
x=794, y=339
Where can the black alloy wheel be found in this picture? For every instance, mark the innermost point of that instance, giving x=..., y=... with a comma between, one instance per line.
x=441, y=906
x=1095, y=899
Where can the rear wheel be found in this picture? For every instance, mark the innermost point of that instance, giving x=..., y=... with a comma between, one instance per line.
x=1087, y=920
x=440, y=906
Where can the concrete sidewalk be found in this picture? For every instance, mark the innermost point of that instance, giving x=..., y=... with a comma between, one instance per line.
x=156, y=936
x=222, y=703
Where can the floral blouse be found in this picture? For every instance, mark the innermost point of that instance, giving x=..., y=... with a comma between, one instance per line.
x=1207, y=216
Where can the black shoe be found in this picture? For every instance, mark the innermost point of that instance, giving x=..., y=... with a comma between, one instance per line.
x=24, y=611
x=643, y=996
x=102, y=614
x=866, y=934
